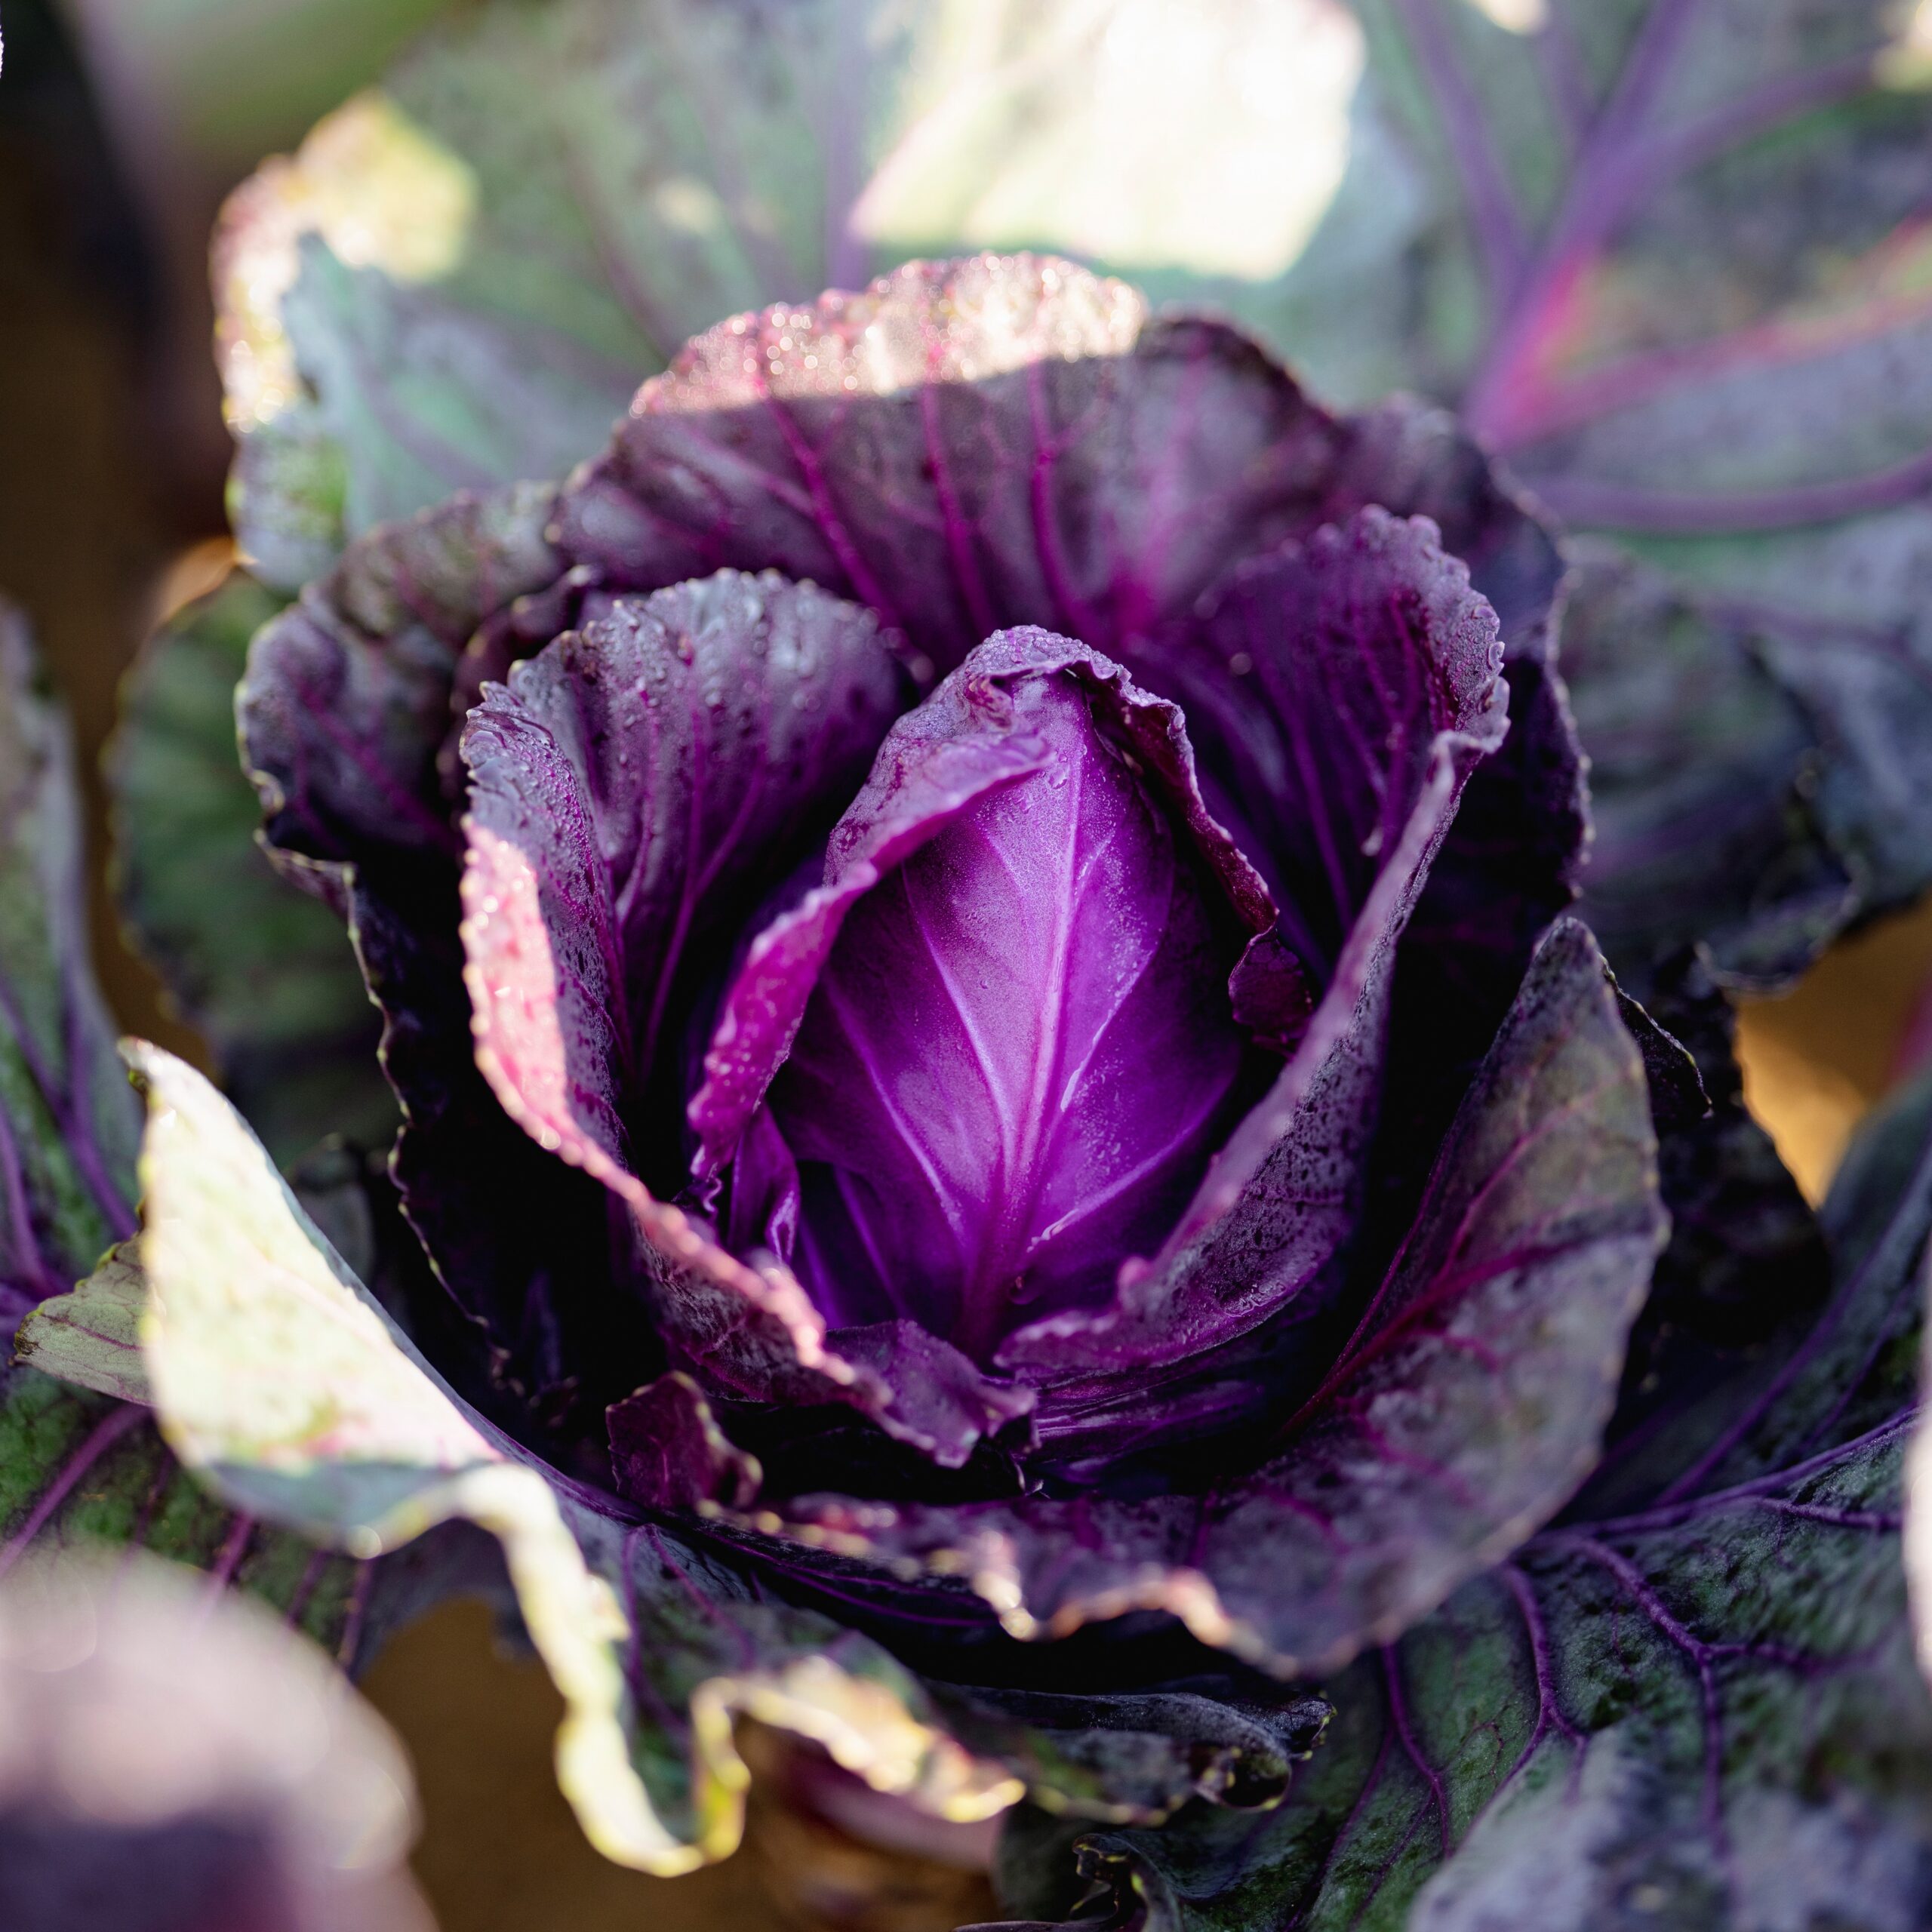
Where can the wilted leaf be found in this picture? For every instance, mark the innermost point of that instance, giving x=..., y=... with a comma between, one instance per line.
x=287, y=1389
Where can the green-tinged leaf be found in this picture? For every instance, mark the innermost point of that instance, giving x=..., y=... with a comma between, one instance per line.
x=1547, y=220
x=1699, y=1715
x=1637, y=220
x=264, y=972
x=284, y=1384
x=221, y=80
x=1705, y=1717
x=92, y=1337
x=1136, y=1758
x=79, y=1470
x=709, y=1644
x=68, y=1125
x=242, y=1286
x=76, y=1467
x=461, y=277
x=1671, y=260
x=1697, y=1712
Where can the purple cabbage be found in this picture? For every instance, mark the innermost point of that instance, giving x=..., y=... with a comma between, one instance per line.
x=978, y=995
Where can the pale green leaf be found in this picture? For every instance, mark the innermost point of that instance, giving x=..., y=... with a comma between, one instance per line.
x=280, y=1381
x=92, y=1337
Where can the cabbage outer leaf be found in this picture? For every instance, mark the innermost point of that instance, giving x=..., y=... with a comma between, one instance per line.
x=1709, y=1714
x=462, y=275
x=286, y=1387
x=1708, y=1692
x=76, y=1466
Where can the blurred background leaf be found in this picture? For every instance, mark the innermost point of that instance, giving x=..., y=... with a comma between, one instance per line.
x=263, y=971
x=462, y=275
x=1674, y=268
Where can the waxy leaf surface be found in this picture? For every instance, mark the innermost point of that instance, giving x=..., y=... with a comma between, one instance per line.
x=1201, y=407
x=1709, y=1714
